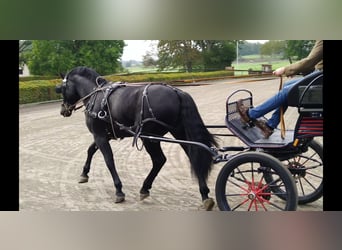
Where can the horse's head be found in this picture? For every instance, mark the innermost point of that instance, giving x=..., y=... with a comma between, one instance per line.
x=75, y=88
x=70, y=96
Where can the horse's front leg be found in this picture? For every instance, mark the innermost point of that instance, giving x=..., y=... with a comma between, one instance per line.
x=91, y=151
x=105, y=148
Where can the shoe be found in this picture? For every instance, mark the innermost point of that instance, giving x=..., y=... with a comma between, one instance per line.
x=266, y=130
x=243, y=111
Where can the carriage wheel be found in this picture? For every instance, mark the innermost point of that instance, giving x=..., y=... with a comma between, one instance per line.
x=307, y=171
x=241, y=184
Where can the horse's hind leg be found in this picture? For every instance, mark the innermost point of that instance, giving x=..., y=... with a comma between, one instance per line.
x=91, y=151
x=208, y=203
x=158, y=160
x=200, y=162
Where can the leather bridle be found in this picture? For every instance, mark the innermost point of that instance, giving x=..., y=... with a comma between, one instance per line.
x=73, y=107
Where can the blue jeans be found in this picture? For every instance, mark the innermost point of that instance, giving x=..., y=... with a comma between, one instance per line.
x=274, y=103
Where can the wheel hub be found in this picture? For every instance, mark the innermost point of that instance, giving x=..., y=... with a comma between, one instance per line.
x=258, y=190
x=297, y=169
x=251, y=195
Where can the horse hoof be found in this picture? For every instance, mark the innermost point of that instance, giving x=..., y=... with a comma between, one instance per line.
x=208, y=204
x=144, y=196
x=119, y=199
x=83, y=179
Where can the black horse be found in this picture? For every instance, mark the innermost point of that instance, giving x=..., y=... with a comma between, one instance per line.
x=118, y=110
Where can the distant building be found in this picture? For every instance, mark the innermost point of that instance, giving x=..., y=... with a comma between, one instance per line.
x=24, y=71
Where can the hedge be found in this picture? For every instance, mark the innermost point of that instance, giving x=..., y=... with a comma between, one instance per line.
x=38, y=91
x=31, y=91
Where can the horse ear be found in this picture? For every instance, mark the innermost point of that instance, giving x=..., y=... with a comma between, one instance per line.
x=62, y=75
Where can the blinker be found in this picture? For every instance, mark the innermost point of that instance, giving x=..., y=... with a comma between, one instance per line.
x=58, y=89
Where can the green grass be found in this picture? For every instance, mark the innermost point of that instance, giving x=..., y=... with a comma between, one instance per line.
x=245, y=63
x=257, y=65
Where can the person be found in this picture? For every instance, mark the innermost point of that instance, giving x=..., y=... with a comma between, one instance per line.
x=306, y=66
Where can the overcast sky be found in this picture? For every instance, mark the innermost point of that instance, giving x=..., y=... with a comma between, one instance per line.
x=136, y=49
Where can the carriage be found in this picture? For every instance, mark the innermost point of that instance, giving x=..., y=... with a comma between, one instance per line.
x=264, y=175
x=260, y=176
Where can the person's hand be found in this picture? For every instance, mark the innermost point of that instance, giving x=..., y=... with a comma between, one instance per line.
x=279, y=72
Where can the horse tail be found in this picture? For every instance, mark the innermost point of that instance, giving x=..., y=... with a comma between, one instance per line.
x=195, y=130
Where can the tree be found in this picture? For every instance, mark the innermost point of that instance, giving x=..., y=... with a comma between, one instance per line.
x=298, y=49
x=103, y=56
x=204, y=54
x=51, y=57
x=273, y=47
x=217, y=54
x=148, y=60
x=178, y=53
x=24, y=47
x=247, y=48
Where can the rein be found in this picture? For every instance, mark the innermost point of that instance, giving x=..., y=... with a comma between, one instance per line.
x=99, y=88
x=282, y=122
x=73, y=107
x=134, y=130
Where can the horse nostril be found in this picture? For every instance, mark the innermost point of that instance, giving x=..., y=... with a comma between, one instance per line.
x=66, y=113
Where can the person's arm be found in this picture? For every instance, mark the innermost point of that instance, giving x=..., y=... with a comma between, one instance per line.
x=306, y=64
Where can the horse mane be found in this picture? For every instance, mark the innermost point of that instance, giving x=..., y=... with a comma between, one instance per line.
x=84, y=71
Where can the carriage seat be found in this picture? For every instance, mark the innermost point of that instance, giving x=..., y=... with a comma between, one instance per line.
x=307, y=93
x=307, y=96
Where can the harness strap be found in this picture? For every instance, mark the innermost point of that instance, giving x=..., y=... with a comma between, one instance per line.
x=135, y=130
x=108, y=91
x=145, y=97
x=90, y=105
x=103, y=113
x=142, y=121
